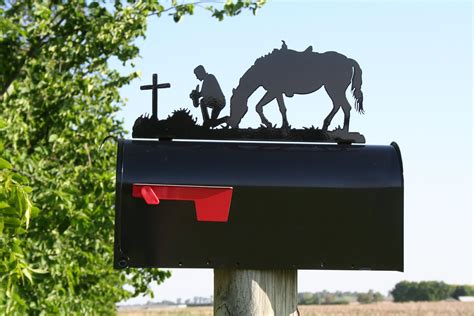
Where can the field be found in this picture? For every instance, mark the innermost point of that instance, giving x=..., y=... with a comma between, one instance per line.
x=392, y=309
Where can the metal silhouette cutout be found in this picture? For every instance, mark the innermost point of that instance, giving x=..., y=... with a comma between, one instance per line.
x=154, y=87
x=210, y=96
x=282, y=73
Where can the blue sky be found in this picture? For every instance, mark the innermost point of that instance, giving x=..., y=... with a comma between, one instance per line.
x=416, y=58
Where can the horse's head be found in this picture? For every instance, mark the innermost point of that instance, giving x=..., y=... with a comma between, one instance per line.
x=238, y=108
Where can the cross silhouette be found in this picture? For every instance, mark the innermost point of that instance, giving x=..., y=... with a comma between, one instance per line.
x=154, y=87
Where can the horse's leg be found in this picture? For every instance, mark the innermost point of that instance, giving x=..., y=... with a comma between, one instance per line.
x=335, y=107
x=259, y=107
x=346, y=107
x=281, y=105
x=328, y=119
x=339, y=100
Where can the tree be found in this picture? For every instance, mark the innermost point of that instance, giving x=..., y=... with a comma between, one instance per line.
x=16, y=210
x=378, y=297
x=58, y=99
x=369, y=297
x=421, y=291
x=306, y=298
x=433, y=291
x=462, y=290
x=403, y=291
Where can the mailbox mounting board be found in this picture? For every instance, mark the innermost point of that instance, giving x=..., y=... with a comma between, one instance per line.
x=300, y=206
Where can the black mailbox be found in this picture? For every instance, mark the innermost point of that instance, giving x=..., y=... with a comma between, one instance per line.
x=258, y=205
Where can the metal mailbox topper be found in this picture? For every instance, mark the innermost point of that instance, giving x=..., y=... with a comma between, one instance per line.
x=246, y=198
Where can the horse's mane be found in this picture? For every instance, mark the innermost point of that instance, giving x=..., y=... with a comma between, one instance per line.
x=269, y=58
x=274, y=52
x=263, y=59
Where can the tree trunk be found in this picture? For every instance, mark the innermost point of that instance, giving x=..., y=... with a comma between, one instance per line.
x=255, y=292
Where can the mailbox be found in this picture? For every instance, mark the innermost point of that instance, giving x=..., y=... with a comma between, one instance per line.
x=258, y=205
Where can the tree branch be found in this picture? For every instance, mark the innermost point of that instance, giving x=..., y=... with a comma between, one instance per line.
x=34, y=48
x=197, y=3
x=12, y=78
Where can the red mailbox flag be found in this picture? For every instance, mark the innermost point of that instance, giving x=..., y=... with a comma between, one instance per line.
x=212, y=203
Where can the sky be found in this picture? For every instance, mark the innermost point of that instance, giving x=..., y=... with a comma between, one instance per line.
x=417, y=64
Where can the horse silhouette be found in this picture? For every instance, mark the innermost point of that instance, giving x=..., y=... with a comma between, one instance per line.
x=288, y=72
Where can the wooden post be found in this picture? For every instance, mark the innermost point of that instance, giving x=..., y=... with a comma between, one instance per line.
x=255, y=292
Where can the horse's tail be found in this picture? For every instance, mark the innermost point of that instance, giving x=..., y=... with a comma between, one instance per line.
x=356, y=86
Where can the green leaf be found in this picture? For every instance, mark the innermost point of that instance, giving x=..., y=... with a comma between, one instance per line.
x=10, y=211
x=20, y=179
x=27, y=273
x=39, y=271
x=34, y=211
x=5, y=164
x=4, y=204
x=52, y=138
x=12, y=222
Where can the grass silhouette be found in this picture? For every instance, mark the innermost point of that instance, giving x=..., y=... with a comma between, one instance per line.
x=181, y=124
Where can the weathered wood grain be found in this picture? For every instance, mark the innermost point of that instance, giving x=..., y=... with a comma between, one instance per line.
x=255, y=292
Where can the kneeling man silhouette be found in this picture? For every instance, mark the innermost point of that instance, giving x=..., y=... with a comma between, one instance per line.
x=210, y=96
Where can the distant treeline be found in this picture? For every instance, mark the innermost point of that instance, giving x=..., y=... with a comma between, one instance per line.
x=333, y=298
x=429, y=291
x=403, y=292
